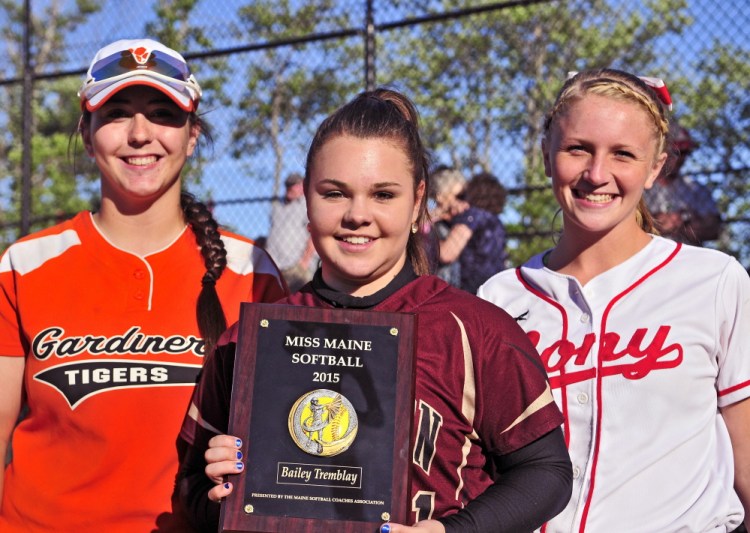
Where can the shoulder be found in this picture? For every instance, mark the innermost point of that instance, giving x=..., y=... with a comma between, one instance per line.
x=474, y=216
x=449, y=302
x=713, y=262
x=244, y=256
x=32, y=251
x=305, y=296
x=502, y=281
x=512, y=279
x=697, y=257
x=495, y=341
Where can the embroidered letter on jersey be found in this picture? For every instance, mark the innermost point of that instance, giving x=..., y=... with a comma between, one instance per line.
x=429, y=427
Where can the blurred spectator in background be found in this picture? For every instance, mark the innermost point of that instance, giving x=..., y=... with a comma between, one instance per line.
x=683, y=209
x=484, y=191
x=475, y=239
x=440, y=228
x=288, y=240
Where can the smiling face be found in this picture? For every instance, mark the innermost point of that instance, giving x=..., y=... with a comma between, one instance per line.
x=140, y=140
x=361, y=206
x=601, y=154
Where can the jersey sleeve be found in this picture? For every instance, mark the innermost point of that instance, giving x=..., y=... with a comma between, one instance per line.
x=269, y=285
x=517, y=403
x=208, y=412
x=11, y=342
x=733, y=301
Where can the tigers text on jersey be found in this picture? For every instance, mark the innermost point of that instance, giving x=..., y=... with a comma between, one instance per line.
x=479, y=390
x=640, y=359
x=112, y=351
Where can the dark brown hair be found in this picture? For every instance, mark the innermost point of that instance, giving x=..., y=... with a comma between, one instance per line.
x=210, y=315
x=383, y=114
x=486, y=192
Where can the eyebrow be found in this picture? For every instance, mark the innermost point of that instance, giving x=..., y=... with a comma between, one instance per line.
x=378, y=185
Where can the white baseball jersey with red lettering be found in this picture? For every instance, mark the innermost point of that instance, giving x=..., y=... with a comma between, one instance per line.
x=112, y=350
x=640, y=360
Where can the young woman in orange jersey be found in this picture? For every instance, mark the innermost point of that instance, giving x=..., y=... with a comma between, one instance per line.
x=105, y=319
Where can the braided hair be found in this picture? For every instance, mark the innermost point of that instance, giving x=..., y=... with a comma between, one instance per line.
x=210, y=315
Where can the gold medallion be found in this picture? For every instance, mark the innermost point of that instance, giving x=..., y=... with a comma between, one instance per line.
x=323, y=422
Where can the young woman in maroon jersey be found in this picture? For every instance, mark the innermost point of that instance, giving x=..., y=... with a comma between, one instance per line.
x=476, y=372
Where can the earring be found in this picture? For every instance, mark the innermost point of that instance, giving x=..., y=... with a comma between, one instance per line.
x=414, y=227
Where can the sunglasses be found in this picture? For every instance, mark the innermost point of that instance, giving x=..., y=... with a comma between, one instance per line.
x=124, y=62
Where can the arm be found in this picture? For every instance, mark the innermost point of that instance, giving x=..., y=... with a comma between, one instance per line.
x=737, y=419
x=207, y=418
x=11, y=387
x=200, y=486
x=307, y=255
x=452, y=246
x=514, y=502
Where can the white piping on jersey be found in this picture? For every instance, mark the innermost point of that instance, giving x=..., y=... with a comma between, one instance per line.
x=245, y=258
x=465, y=449
x=141, y=258
x=170, y=243
x=544, y=399
x=195, y=414
x=468, y=402
x=26, y=256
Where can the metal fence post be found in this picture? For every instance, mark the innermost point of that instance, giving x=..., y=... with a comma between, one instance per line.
x=369, y=46
x=28, y=85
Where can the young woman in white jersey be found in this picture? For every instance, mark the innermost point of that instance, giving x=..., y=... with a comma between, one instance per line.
x=646, y=341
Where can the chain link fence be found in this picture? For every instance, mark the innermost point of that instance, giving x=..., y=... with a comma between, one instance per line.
x=481, y=73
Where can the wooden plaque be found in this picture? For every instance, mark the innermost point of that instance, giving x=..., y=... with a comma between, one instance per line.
x=323, y=402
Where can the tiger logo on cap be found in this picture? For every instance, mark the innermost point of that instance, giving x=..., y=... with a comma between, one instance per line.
x=140, y=54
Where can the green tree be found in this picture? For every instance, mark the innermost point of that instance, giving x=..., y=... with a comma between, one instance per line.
x=492, y=76
x=289, y=88
x=716, y=110
x=58, y=189
x=173, y=27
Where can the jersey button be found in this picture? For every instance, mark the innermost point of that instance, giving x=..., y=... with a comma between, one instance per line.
x=139, y=274
x=139, y=295
x=585, y=318
x=576, y=472
x=583, y=398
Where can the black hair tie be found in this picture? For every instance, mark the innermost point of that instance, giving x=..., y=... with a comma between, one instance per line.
x=208, y=279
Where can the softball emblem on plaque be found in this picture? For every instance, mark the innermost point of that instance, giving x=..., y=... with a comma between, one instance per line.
x=323, y=423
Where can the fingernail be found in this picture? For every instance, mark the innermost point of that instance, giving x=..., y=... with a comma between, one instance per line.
x=239, y=466
x=239, y=455
x=238, y=443
x=226, y=485
x=385, y=528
